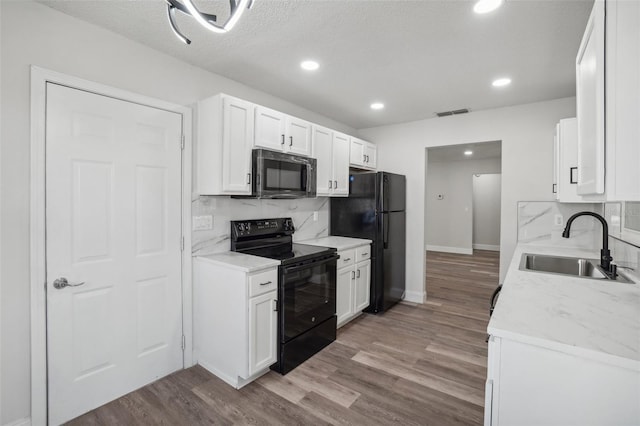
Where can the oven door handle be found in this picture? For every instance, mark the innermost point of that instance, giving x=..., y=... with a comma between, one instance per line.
x=318, y=262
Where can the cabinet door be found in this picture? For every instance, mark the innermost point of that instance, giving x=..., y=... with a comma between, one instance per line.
x=340, y=164
x=356, y=155
x=298, y=137
x=590, y=104
x=567, y=135
x=322, y=148
x=237, y=139
x=263, y=321
x=362, y=287
x=556, y=162
x=344, y=294
x=370, y=152
x=270, y=129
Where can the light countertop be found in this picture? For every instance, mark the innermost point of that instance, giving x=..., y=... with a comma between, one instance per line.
x=339, y=243
x=595, y=319
x=240, y=261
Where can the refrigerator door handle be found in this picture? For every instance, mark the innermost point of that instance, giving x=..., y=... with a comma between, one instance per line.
x=385, y=231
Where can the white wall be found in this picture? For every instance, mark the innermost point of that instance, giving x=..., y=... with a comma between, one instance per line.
x=526, y=132
x=486, y=211
x=35, y=34
x=449, y=222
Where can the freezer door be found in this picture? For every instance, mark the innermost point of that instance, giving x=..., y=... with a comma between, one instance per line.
x=356, y=216
x=393, y=234
x=392, y=192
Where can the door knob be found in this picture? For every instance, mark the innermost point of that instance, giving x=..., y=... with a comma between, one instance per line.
x=62, y=282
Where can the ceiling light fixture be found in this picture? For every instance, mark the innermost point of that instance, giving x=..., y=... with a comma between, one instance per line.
x=486, y=6
x=309, y=65
x=501, y=82
x=377, y=105
x=206, y=20
x=468, y=153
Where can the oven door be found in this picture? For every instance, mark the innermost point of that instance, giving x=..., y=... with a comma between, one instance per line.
x=279, y=175
x=307, y=296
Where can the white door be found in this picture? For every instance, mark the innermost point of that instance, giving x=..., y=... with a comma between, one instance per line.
x=344, y=294
x=113, y=223
x=263, y=332
x=370, y=151
x=340, y=164
x=237, y=141
x=298, y=137
x=322, y=147
x=269, y=129
x=356, y=155
x=363, y=276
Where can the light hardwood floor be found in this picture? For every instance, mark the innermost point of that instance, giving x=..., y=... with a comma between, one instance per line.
x=413, y=365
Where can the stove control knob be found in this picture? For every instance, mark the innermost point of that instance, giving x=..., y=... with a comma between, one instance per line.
x=240, y=227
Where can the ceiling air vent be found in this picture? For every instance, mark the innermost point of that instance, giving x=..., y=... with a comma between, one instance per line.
x=454, y=112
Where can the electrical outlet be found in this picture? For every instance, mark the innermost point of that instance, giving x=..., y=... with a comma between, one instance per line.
x=202, y=223
x=558, y=220
x=315, y=216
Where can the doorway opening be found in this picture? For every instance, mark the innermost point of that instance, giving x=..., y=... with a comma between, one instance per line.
x=462, y=221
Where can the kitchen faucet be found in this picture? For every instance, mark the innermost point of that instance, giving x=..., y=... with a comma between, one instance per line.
x=605, y=254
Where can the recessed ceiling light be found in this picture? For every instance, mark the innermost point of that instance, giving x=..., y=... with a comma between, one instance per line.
x=309, y=65
x=486, y=6
x=377, y=105
x=468, y=153
x=501, y=82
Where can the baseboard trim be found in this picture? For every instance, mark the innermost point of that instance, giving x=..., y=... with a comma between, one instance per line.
x=20, y=422
x=414, y=296
x=486, y=247
x=445, y=249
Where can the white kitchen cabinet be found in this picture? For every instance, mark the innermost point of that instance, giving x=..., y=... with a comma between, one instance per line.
x=566, y=161
x=235, y=320
x=353, y=283
x=533, y=385
x=362, y=154
x=608, y=98
x=331, y=149
x=280, y=132
x=224, y=141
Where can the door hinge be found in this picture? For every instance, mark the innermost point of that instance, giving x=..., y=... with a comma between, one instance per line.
x=184, y=342
x=182, y=243
x=182, y=142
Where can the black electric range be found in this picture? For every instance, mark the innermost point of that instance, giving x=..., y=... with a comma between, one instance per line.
x=306, y=287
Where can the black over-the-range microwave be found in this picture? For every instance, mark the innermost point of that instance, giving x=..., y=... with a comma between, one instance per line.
x=280, y=175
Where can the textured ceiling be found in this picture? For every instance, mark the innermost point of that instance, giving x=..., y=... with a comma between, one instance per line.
x=418, y=57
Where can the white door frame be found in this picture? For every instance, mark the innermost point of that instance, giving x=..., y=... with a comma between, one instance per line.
x=39, y=79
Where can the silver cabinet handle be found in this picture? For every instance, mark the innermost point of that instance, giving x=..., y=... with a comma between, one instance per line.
x=353, y=275
x=330, y=184
x=248, y=178
x=283, y=139
x=267, y=283
x=275, y=305
x=364, y=158
x=336, y=184
x=347, y=259
x=358, y=274
x=62, y=282
x=290, y=140
x=365, y=254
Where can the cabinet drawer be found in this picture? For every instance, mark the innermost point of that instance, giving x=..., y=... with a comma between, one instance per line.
x=363, y=253
x=347, y=258
x=263, y=282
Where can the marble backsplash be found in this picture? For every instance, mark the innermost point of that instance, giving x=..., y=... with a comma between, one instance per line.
x=624, y=244
x=542, y=223
x=226, y=209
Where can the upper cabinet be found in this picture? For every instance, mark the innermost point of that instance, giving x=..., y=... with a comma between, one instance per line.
x=280, y=132
x=608, y=101
x=224, y=142
x=566, y=162
x=362, y=154
x=331, y=149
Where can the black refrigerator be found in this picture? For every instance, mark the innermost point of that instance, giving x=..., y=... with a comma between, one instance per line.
x=375, y=210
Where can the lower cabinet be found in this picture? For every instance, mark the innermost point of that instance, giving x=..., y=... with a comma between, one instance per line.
x=353, y=283
x=532, y=385
x=234, y=321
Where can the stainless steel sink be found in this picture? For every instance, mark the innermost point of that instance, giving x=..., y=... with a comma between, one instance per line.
x=577, y=267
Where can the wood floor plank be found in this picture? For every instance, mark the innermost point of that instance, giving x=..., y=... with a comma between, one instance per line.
x=416, y=364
